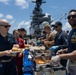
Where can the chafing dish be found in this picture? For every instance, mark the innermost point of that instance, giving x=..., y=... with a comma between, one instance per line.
x=47, y=58
x=46, y=52
x=40, y=60
x=39, y=63
x=44, y=67
x=41, y=66
x=32, y=48
x=41, y=52
x=36, y=53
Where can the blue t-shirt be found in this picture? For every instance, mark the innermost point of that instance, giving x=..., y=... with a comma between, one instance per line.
x=6, y=44
x=72, y=41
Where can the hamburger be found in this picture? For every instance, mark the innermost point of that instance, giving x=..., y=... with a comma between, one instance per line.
x=14, y=49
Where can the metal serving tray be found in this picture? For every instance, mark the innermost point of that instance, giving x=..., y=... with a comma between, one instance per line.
x=46, y=52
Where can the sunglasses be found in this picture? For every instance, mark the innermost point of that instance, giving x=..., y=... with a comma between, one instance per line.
x=55, y=26
x=71, y=16
x=6, y=26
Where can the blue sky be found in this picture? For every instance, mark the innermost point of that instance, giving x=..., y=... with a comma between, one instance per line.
x=18, y=12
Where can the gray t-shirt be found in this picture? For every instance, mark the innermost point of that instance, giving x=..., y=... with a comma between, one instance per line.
x=71, y=67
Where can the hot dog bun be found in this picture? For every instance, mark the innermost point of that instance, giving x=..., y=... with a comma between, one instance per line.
x=14, y=49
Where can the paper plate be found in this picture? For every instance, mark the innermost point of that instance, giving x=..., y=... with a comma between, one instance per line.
x=14, y=53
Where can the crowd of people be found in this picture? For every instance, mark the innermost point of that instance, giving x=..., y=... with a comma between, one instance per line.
x=61, y=43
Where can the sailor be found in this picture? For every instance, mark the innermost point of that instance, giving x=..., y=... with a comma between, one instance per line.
x=50, y=35
x=7, y=63
x=60, y=41
x=71, y=55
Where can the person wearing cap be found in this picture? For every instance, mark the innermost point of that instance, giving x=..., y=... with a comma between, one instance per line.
x=60, y=38
x=19, y=57
x=49, y=41
x=7, y=63
x=22, y=32
x=71, y=55
x=60, y=41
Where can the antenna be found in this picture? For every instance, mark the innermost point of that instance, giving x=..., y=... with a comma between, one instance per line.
x=63, y=16
x=60, y=17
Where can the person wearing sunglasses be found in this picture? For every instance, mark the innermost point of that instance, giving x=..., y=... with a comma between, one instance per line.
x=7, y=63
x=71, y=55
x=60, y=41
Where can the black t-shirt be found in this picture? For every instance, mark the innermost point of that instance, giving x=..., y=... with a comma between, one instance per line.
x=6, y=44
x=61, y=40
x=72, y=41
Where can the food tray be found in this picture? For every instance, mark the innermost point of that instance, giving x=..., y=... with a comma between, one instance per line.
x=46, y=52
x=38, y=52
x=40, y=60
x=47, y=58
x=32, y=48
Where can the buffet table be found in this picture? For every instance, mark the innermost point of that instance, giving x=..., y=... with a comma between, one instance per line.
x=39, y=62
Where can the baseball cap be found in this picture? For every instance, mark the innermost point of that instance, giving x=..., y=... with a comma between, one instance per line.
x=22, y=29
x=58, y=23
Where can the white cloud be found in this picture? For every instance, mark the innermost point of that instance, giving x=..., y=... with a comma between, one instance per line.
x=20, y=24
x=66, y=27
x=27, y=23
x=12, y=22
x=22, y=3
x=4, y=1
x=1, y=15
x=24, y=24
x=46, y=15
x=9, y=16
